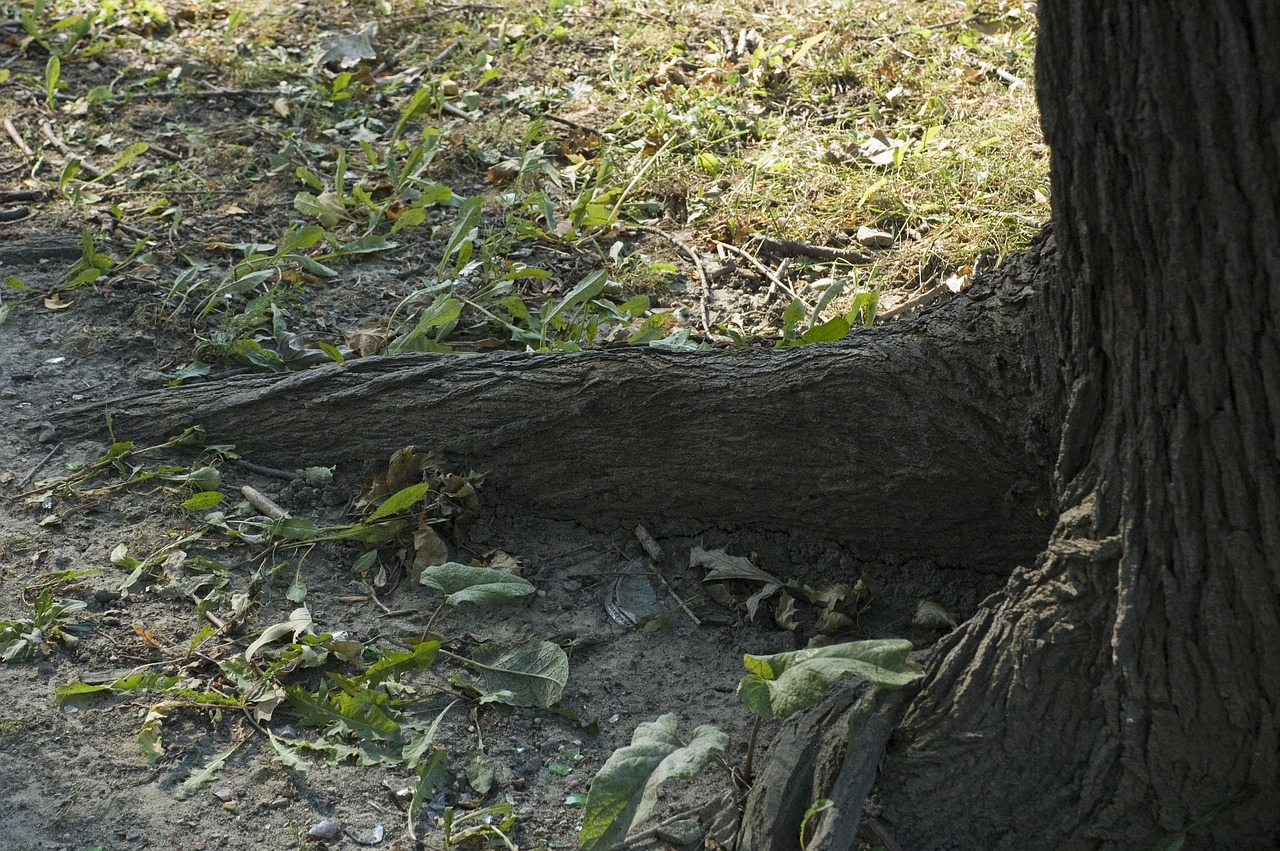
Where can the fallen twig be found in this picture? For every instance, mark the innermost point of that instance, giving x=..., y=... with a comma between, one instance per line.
x=47, y=129
x=263, y=503
x=274, y=473
x=697, y=264
x=795, y=248
x=764, y=270
x=18, y=141
x=942, y=26
x=45, y=460
x=927, y=297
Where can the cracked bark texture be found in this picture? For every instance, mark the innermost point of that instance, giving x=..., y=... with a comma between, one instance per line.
x=925, y=438
x=1129, y=682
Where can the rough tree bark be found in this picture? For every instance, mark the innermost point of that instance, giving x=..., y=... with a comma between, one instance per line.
x=1130, y=682
x=925, y=438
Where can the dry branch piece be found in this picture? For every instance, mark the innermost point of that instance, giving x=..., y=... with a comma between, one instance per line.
x=18, y=141
x=263, y=503
x=795, y=248
x=925, y=298
x=47, y=130
x=697, y=264
x=774, y=279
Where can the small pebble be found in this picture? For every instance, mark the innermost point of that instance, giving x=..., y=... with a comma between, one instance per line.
x=324, y=831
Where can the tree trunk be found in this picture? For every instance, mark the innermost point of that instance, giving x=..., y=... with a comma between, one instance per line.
x=925, y=439
x=1129, y=684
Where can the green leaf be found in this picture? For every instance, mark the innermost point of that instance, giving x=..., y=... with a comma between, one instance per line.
x=395, y=663
x=420, y=740
x=127, y=156
x=202, y=501
x=480, y=585
x=624, y=791
x=199, y=779
x=369, y=244
x=287, y=755
x=785, y=683
x=532, y=674
x=409, y=218
x=588, y=288
x=400, y=500
x=827, y=332
x=293, y=528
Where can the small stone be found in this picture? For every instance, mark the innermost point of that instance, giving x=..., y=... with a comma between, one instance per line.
x=872, y=238
x=231, y=806
x=324, y=831
x=224, y=794
x=133, y=834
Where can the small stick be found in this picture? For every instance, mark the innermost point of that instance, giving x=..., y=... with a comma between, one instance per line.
x=47, y=129
x=263, y=503
x=795, y=248
x=697, y=264
x=927, y=297
x=567, y=122
x=45, y=460
x=764, y=270
x=264, y=471
x=18, y=141
x=942, y=26
x=458, y=112
x=652, y=833
x=651, y=548
x=15, y=214
x=688, y=611
x=170, y=94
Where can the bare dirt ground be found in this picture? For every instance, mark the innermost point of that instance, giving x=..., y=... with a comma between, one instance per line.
x=75, y=773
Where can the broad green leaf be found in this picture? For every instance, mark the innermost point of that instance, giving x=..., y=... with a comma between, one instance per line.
x=293, y=528
x=624, y=791
x=588, y=288
x=202, y=501
x=463, y=583
x=287, y=755
x=395, y=664
x=827, y=332
x=532, y=674
x=785, y=683
x=409, y=218
x=70, y=691
x=369, y=244
x=400, y=500
x=303, y=237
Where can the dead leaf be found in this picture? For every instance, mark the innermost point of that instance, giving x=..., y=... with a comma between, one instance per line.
x=930, y=615
x=506, y=562
x=505, y=171
x=785, y=613
x=55, y=302
x=428, y=551
x=721, y=567
x=369, y=338
x=281, y=107
x=831, y=622
x=754, y=601
x=348, y=49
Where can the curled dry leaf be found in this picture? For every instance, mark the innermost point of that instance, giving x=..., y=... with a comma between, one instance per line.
x=930, y=615
x=785, y=613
